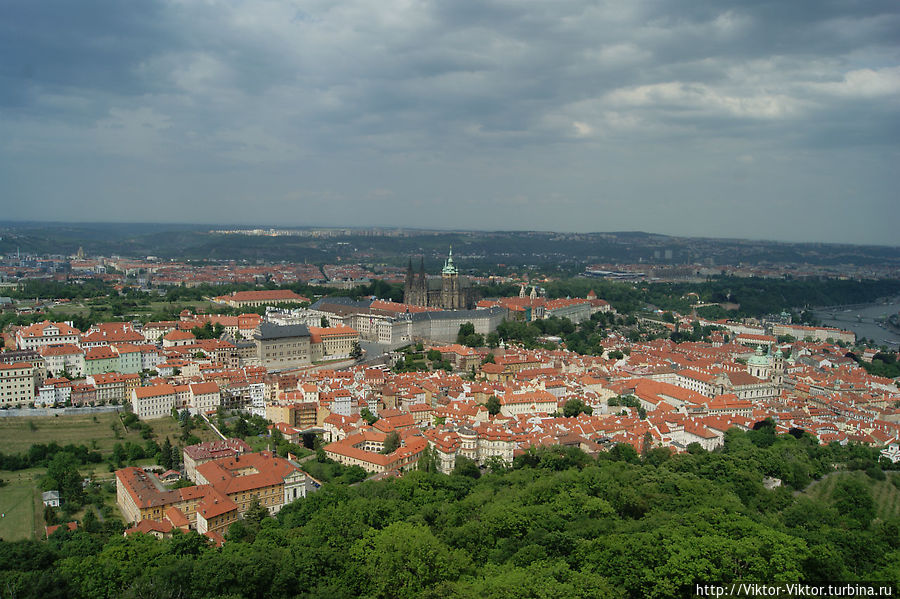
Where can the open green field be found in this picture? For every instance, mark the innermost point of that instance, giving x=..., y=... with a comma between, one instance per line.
x=82, y=308
x=18, y=500
x=20, y=497
x=884, y=492
x=93, y=430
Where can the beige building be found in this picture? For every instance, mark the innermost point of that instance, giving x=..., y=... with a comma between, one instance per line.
x=46, y=333
x=815, y=333
x=254, y=299
x=16, y=384
x=332, y=343
x=529, y=402
x=195, y=455
x=282, y=346
x=156, y=401
x=226, y=488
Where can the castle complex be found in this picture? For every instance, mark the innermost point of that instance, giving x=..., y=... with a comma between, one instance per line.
x=450, y=292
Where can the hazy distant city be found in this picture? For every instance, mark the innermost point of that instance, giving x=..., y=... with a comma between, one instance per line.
x=427, y=300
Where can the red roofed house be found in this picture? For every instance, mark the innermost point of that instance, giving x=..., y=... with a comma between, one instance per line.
x=332, y=343
x=46, y=333
x=178, y=339
x=155, y=401
x=66, y=357
x=194, y=455
x=529, y=402
x=263, y=476
x=254, y=299
x=107, y=333
x=204, y=397
x=351, y=452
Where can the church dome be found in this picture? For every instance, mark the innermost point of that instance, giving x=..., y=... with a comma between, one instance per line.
x=758, y=359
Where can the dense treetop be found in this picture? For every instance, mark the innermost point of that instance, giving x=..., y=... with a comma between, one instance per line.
x=557, y=524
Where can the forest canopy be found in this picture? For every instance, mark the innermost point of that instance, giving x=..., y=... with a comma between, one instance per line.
x=559, y=523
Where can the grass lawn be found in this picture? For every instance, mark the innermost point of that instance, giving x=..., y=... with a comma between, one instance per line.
x=82, y=308
x=20, y=499
x=884, y=492
x=72, y=309
x=168, y=427
x=92, y=430
x=18, y=504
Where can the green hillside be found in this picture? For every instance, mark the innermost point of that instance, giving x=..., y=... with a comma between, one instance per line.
x=885, y=493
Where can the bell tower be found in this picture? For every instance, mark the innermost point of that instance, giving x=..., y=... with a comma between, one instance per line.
x=450, y=284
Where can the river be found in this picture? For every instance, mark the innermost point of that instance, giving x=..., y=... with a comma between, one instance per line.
x=861, y=319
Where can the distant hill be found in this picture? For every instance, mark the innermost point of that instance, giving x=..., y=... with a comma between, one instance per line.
x=474, y=249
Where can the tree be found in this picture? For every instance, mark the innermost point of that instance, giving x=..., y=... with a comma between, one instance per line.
x=853, y=500
x=356, y=352
x=89, y=521
x=251, y=523
x=496, y=464
x=625, y=453
x=324, y=322
x=574, y=407
x=492, y=340
x=63, y=475
x=433, y=355
x=391, y=443
x=241, y=429
x=255, y=514
x=467, y=336
x=368, y=416
x=427, y=460
x=165, y=454
x=493, y=405
x=403, y=560
x=466, y=467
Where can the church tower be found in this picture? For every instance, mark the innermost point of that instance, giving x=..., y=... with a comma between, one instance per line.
x=415, y=287
x=450, y=297
x=778, y=369
x=408, y=284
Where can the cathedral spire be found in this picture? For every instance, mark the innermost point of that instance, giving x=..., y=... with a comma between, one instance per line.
x=449, y=268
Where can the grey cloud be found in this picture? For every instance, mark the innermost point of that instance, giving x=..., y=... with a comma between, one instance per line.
x=601, y=105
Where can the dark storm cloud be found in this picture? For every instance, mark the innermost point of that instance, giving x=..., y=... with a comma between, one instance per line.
x=601, y=107
x=92, y=45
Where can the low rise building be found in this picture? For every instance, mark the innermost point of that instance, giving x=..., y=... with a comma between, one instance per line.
x=332, y=343
x=46, y=333
x=282, y=346
x=195, y=455
x=16, y=384
x=254, y=299
x=528, y=402
x=155, y=401
x=63, y=358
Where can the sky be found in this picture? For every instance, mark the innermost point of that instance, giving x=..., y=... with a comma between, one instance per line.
x=751, y=119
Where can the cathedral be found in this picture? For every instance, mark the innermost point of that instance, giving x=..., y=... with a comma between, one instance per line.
x=450, y=292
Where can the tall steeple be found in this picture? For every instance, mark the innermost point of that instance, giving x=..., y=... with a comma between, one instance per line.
x=449, y=267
